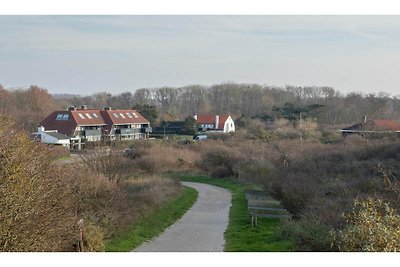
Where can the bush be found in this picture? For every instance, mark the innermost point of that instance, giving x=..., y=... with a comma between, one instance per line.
x=308, y=235
x=93, y=238
x=219, y=160
x=157, y=158
x=111, y=164
x=372, y=226
x=38, y=211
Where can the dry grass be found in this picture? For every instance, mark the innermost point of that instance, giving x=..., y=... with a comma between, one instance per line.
x=159, y=158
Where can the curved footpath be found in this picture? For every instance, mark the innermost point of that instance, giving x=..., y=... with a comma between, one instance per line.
x=201, y=228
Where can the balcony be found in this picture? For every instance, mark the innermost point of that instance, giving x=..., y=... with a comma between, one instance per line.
x=126, y=131
x=92, y=132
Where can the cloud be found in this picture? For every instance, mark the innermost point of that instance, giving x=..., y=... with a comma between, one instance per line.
x=124, y=51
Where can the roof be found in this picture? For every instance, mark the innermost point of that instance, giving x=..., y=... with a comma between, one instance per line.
x=211, y=119
x=56, y=135
x=123, y=116
x=66, y=125
x=65, y=122
x=85, y=117
x=375, y=126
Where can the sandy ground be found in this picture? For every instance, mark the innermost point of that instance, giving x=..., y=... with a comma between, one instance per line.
x=201, y=228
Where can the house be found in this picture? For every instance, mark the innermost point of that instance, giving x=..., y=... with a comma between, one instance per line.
x=91, y=125
x=215, y=123
x=373, y=128
x=125, y=124
x=51, y=137
x=83, y=123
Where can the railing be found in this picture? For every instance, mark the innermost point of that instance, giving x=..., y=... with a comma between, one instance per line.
x=92, y=132
x=127, y=131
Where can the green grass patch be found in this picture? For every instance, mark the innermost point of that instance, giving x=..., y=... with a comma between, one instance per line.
x=240, y=235
x=154, y=223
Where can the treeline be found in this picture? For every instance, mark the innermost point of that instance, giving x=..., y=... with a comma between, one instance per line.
x=27, y=106
x=252, y=100
x=329, y=106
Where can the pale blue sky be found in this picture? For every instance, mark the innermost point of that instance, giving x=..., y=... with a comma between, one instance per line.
x=87, y=54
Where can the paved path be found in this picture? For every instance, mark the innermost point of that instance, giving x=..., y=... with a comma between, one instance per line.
x=201, y=228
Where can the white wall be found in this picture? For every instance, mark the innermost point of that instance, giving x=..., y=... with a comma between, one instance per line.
x=48, y=139
x=229, y=125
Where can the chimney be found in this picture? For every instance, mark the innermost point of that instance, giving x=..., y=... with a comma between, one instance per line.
x=195, y=116
x=216, y=121
x=40, y=129
x=71, y=108
x=107, y=108
x=84, y=107
x=364, y=119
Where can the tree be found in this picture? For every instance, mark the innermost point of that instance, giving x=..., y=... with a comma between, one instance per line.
x=142, y=97
x=189, y=126
x=294, y=113
x=148, y=111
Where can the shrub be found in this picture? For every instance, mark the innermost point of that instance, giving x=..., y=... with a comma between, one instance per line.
x=93, y=237
x=372, y=226
x=158, y=158
x=38, y=212
x=111, y=164
x=219, y=160
x=308, y=235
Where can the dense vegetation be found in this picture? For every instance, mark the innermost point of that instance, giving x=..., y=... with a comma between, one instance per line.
x=318, y=183
x=43, y=198
x=325, y=104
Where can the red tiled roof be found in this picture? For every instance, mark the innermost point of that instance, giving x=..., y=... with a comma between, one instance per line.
x=375, y=125
x=127, y=118
x=211, y=119
x=90, y=117
x=66, y=127
x=387, y=125
x=123, y=116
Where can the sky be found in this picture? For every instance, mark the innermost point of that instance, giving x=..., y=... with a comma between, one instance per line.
x=88, y=54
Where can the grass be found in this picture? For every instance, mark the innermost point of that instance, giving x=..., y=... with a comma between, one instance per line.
x=174, y=137
x=240, y=235
x=153, y=224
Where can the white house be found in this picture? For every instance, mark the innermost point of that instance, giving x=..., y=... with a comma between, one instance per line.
x=52, y=137
x=217, y=123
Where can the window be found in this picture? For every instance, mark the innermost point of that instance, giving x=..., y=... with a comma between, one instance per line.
x=65, y=117
x=95, y=115
x=59, y=117
x=115, y=115
x=134, y=114
x=88, y=116
x=122, y=115
x=129, y=115
x=81, y=116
